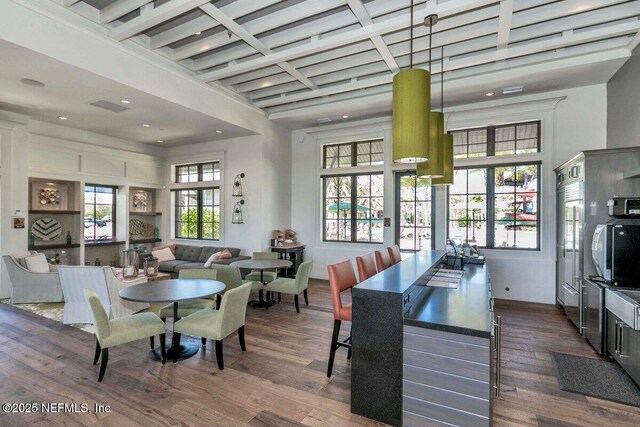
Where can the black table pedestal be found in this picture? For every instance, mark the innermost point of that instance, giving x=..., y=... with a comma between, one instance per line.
x=185, y=351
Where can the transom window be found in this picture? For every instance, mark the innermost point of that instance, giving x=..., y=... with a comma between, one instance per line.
x=198, y=172
x=502, y=140
x=99, y=212
x=356, y=153
x=353, y=208
x=197, y=213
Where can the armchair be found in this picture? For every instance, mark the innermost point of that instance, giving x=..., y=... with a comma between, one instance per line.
x=30, y=287
x=104, y=282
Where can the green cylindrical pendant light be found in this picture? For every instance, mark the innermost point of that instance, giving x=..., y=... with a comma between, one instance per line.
x=410, y=113
x=410, y=116
x=447, y=151
x=433, y=167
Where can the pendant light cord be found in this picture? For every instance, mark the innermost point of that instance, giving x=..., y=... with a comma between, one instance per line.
x=430, y=45
x=442, y=80
x=411, y=38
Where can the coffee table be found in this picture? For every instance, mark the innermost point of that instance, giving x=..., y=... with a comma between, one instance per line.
x=173, y=290
x=261, y=264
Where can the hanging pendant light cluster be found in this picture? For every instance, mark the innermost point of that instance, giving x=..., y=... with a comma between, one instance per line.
x=410, y=114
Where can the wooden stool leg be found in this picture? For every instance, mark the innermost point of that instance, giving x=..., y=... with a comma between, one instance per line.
x=334, y=341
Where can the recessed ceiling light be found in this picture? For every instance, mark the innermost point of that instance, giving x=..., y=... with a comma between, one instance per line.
x=512, y=89
x=146, y=125
x=218, y=131
x=266, y=84
x=345, y=117
x=31, y=82
x=160, y=141
x=488, y=94
x=197, y=33
x=62, y=118
x=125, y=101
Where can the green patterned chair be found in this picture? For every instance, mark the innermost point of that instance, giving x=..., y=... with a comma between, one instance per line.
x=219, y=324
x=110, y=333
x=294, y=286
x=269, y=275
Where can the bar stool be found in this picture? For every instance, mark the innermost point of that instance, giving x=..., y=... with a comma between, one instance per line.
x=383, y=260
x=394, y=254
x=366, y=266
x=341, y=278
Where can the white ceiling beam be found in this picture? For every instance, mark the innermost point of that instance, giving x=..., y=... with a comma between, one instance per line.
x=361, y=13
x=120, y=8
x=634, y=42
x=259, y=25
x=235, y=10
x=558, y=9
x=445, y=9
x=67, y=3
x=471, y=61
x=154, y=17
x=248, y=38
x=504, y=23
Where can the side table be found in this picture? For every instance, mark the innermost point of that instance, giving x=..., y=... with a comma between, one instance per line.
x=295, y=254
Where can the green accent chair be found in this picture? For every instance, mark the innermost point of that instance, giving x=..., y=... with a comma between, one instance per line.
x=219, y=324
x=294, y=286
x=269, y=275
x=228, y=275
x=110, y=333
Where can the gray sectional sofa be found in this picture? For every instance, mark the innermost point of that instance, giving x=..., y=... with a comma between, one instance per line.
x=189, y=257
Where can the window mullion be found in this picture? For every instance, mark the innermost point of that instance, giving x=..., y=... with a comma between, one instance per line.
x=491, y=173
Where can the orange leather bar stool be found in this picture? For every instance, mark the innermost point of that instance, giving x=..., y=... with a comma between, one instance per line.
x=394, y=254
x=366, y=266
x=341, y=278
x=383, y=260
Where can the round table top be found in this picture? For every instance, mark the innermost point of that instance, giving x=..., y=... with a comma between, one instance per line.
x=171, y=290
x=261, y=264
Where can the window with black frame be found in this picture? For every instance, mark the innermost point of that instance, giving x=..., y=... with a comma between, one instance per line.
x=197, y=213
x=353, y=208
x=198, y=172
x=351, y=154
x=414, y=212
x=99, y=212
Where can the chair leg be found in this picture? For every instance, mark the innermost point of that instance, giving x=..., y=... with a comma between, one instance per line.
x=306, y=297
x=295, y=299
x=204, y=341
x=218, y=301
x=97, y=356
x=176, y=345
x=103, y=363
x=219, y=354
x=243, y=347
x=334, y=341
x=163, y=348
x=152, y=342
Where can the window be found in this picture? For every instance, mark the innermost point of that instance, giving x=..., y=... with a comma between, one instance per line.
x=99, y=212
x=353, y=208
x=414, y=210
x=199, y=172
x=197, y=213
x=357, y=153
x=503, y=140
x=496, y=207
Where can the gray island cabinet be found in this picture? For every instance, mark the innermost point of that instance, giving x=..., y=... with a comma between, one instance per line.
x=423, y=355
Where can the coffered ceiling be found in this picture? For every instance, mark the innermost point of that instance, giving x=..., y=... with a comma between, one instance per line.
x=321, y=59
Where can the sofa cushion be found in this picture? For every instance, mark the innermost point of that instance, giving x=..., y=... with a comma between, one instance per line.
x=37, y=263
x=207, y=251
x=189, y=266
x=169, y=266
x=230, y=260
x=189, y=253
x=163, y=255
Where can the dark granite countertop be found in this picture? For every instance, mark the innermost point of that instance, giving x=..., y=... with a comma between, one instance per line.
x=400, y=277
x=464, y=310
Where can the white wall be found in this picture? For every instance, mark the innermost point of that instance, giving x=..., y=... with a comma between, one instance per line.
x=573, y=120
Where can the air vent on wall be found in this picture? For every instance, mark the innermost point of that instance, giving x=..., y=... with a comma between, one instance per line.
x=110, y=106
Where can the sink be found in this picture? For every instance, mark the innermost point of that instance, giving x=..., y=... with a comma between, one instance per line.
x=624, y=303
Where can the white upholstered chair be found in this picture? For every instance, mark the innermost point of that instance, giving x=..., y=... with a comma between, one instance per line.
x=104, y=282
x=30, y=287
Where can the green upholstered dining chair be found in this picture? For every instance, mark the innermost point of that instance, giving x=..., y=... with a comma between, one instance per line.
x=294, y=286
x=219, y=324
x=228, y=275
x=186, y=308
x=268, y=275
x=122, y=330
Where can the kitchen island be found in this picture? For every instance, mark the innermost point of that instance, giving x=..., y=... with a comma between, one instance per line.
x=422, y=355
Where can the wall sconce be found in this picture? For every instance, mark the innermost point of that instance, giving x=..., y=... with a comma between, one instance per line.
x=237, y=185
x=236, y=218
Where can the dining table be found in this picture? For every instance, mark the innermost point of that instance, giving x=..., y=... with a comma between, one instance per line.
x=262, y=265
x=173, y=291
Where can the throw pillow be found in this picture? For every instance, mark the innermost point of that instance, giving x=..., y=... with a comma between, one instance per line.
x=172, y=247
x=225, y=254
x=212, y=258
x=37, y=263
x=164, y=255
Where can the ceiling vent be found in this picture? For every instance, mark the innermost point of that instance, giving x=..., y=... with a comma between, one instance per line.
x=110, y=106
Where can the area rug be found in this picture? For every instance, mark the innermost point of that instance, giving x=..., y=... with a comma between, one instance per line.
x=50, y=310
x=596, y=378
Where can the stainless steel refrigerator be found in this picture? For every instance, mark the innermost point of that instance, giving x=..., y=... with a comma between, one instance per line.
x=584, y=185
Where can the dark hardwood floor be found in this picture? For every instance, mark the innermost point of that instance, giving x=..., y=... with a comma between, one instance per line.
x=279, y=381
